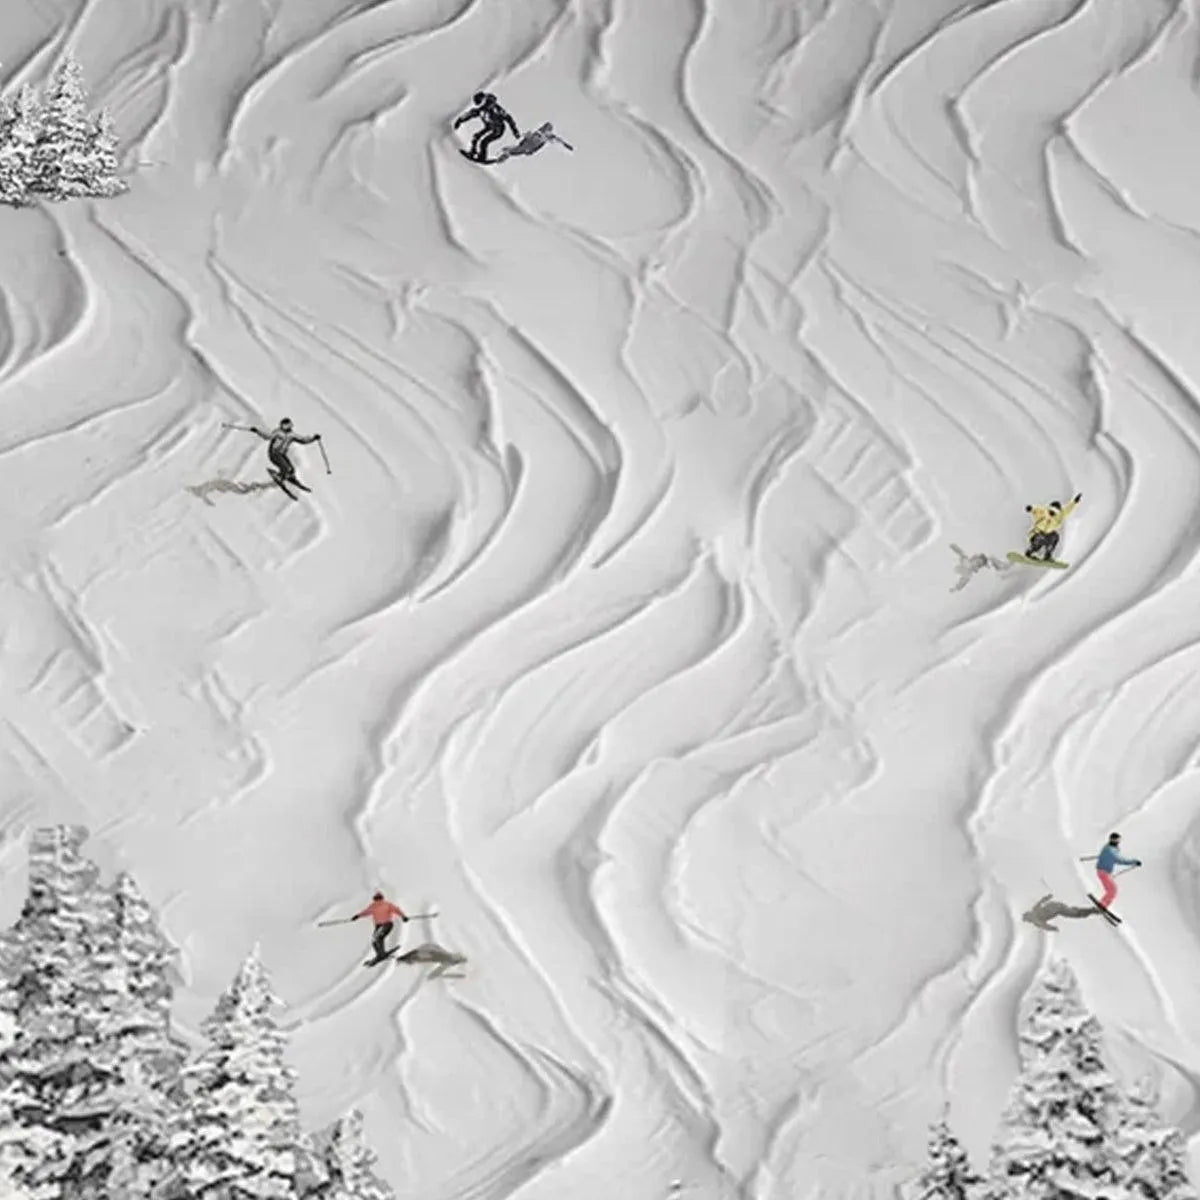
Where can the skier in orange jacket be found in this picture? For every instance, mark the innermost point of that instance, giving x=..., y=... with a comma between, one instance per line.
x=383, y=913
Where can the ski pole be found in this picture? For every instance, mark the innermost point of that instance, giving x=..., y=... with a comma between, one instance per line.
x=325, y=456
x=1090, y=858
x=243, y=428
x=338, y=921
x=423, y=916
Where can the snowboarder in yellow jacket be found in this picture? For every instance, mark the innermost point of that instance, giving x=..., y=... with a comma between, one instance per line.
x=1043, y=533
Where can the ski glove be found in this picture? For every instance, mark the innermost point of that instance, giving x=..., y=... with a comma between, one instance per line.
x=1137, y=862
x=1078, y=497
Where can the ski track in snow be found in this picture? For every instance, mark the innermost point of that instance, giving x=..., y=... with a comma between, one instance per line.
x=620, y=633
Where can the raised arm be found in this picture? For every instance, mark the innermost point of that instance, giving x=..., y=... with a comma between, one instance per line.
x=305, y=441
x=1071, y=505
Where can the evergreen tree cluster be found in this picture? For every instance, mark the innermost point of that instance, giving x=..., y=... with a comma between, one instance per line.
x=1069, y=1133
x=100, y=1099
x=51, y=145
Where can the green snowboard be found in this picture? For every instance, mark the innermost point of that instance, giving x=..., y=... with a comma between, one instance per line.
x=1014, y=557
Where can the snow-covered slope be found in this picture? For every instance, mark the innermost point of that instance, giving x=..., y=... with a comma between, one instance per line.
x=621, y=631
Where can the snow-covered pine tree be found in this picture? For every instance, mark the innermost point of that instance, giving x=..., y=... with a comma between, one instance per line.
x=947, y=1174
x=312, y=1174
x=1153, y=1156
x=137, y=1059
x=13, y=185
x=237, y=1135
x=20, y=128
x=1050, y=1012
x=49, y=991
x=92, y=1068
x=11, y=1190
x=105, y=166
x=19, y=1151
x=350, y=1163
x=1056, y=1139
x=63, y=161
x=148, y=959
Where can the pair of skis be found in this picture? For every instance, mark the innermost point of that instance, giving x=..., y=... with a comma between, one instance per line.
x=1111, y=917
x=283, y=483
x=374, y=962
x=279, y=480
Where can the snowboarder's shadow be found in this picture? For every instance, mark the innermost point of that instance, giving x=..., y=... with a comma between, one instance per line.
x=229, y=485
x=969, y=565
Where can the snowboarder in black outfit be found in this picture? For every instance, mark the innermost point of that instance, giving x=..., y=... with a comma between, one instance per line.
x=495, y=120
x=279, y=441
x=969, y=565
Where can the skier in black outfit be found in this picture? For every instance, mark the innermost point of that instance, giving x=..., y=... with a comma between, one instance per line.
x=495, y=120
x=278, y=443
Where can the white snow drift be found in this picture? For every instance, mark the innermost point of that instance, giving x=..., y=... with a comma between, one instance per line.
x=621, y=631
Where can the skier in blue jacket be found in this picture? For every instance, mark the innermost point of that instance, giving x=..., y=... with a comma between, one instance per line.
x=1108, y=858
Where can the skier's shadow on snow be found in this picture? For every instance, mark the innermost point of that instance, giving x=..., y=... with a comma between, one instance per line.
x=202, y=490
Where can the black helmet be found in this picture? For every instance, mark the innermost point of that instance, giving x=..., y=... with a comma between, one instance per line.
x=479, y=97
x=377, y=896
x=286, y=423
x=1056, y=504
x=1114, y=837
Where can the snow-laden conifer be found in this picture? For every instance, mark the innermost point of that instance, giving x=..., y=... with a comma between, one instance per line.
x=105, y=157
x=1056, y=1137
x=64, y=157
x=49, y=993
x=90, y=1070
x=349, y=1163
x=947, y=1174
x=1153, y=1156
x=238, y=1134
x=137, y=1058
x=20, y=127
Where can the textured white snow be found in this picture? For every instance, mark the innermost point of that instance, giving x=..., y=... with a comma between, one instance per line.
x=621, y=631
